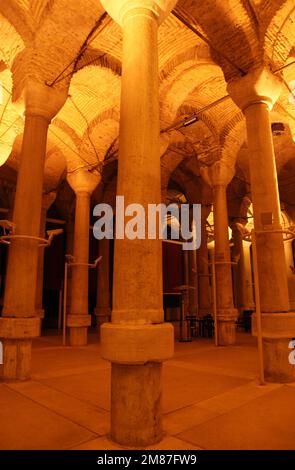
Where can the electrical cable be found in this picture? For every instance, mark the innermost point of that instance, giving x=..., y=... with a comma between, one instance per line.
x=84, y=46
x=201, y=36
x=87, y=129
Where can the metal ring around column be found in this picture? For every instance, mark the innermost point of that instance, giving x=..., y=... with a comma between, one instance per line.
x=44, y=241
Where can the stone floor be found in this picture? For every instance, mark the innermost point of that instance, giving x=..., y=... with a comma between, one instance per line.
x=211, y=400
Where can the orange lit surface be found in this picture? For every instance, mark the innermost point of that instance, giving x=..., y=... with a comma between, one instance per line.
x=211, y=400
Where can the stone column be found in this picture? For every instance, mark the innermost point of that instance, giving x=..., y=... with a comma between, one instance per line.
x=193, y=282
x=137, y=341
x=218, y=176
x=19, y=323
x=186, y=294
x=256, y=94
x=250, y=304
x=204, y=289
x=83, y=183
x=47, y=200
x=241, y=251
x=240, y=268
x=70, y=228
x=288, y=245
x=103, y=306
x=192, y=279
x=238, y=253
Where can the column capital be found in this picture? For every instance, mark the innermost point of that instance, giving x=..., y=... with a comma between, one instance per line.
x=218, y=174
x=43, y=100
x=117, y=9
x=83, y=181
x=260, y=85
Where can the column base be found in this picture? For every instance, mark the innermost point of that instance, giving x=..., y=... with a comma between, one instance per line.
x=136, y=352
x=78, y=325
x=16, y=360
x=132, y=344
x=226, y=327
x=16, y=335
x=78, y=336
x=277, y=367
x=136, y=404
x=226, y=333
x=278, y=330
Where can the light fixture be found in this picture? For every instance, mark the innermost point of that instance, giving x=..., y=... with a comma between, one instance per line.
x=190, y=121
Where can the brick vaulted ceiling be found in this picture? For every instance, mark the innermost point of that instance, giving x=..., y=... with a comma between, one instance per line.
x=202, y=45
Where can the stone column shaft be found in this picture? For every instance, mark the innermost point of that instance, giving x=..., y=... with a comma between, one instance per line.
x=27, y=214
x=218, y=176
x=265, y=196
x=21, y=277
x=256, y=94
x=204, y=290
x=239, y=270
x=83, y=182
x=40, y=270
x=47, y=200
x=70, y=229
x=222, y=250
x=290, y=273
x=79, y=303
x=103, y=309
x=193, y=282
x=139, y=172
x=136, y=342
x=19, y=324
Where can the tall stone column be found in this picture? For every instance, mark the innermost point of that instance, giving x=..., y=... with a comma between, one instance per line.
x=204, y=289
x=70, y=229
x=47, y=200
x=19, y=323
x=242, y=276
x=193, y=282
x=256, y=94
x=137, y=341
x=192, y=278
x=218, y=176
x=240, y=268
x=83, y=184
x=247, y=259
x=289, y=256
x=103, y=305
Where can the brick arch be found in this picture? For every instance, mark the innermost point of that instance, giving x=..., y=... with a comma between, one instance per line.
x=277, y=27
x=96, y=94
x=11, y=43
x=196, y=54
x=55, y=45
x=232, y=138
x=185, y=79
x=101, y=59
x=19, y=19
x=102, y=131
x=224, y=24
